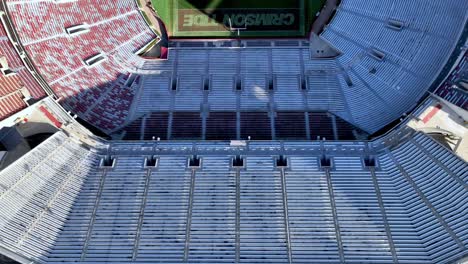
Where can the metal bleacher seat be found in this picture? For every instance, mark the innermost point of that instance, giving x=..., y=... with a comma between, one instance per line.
x=35, y=205
x=407, y=206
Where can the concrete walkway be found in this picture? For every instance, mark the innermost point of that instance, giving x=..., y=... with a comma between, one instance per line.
x=320, y=49
x=324, y=17
x=147, y=7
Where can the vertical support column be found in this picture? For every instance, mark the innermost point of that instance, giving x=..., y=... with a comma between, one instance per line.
x=270, y=60
x=301, y=60
x=93, y=216
x=174, y=76
x=307, y=125
x=169, y=125
x=272, y=115
x=143, y=127
x=205, y=107
x=302, y=77
x=271, y=104
x=238, y=215
x=238, y=117
x=335, y=215
x=238, y=93
x=285, y=212
x=204, y=117
x=384, y=214
x=140, y=90
x=335, y=129
x=189, y=216
x=142, y=215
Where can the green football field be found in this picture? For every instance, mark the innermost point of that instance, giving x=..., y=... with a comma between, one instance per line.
x=244, y=18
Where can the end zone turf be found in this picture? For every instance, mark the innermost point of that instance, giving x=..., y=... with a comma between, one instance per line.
x=224, y=18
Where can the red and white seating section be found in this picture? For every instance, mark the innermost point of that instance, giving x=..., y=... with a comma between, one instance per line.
x=11, y=97
x=114, y=27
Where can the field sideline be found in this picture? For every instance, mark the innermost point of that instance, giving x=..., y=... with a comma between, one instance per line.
x=221, y=18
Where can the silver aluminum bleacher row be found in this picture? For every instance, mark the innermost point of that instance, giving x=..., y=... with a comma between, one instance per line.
x=392, y=51
x=59, y=205
x=382, y=73
x=38, y=192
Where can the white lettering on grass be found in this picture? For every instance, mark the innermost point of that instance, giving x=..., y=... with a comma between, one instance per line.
x=239, y=20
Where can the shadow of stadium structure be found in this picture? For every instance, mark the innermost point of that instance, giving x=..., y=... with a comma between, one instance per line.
x=224, y=125
x=221, y=125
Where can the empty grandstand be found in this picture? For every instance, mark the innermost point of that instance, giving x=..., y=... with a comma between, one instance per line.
x=273, y=201
x=380, y=75
x=348, y=145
